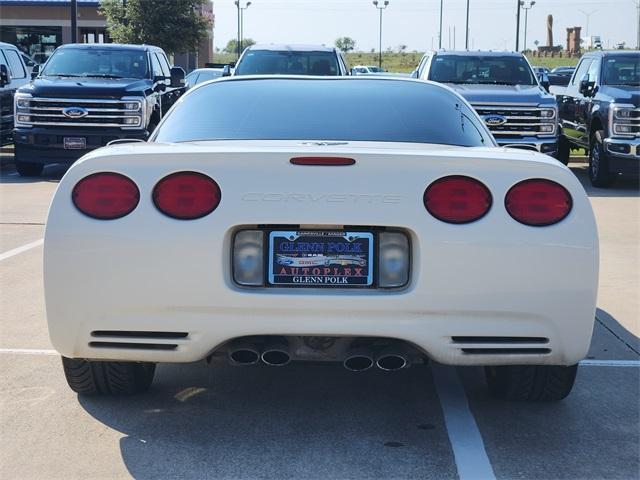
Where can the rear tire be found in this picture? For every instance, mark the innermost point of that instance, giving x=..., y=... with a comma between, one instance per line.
x=107, y=378
x=27, y=169
x=564, y=150
x=599, y=173
x=532, y=383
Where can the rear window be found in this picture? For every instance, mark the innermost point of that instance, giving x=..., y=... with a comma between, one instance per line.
x=269, y=62
x=357, y=109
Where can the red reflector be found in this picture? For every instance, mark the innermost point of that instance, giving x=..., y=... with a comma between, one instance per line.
x=457, y=199
x=538, y=202
x=106, y=196
x=186, y=195
x=323, y=161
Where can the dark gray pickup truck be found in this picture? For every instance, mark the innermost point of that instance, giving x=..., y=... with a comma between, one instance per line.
x=501, y=86
x=600, y=112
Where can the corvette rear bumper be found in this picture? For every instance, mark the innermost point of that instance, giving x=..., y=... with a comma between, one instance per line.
x=454, y=338
x=528, y=292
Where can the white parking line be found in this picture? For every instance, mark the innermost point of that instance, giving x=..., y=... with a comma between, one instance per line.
x=23, y=248
x=27, y=351
x=610, y=363
x=470, y=455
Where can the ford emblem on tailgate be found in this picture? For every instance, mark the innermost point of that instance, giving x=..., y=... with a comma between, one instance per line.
x=495, y=120
x=75, y=112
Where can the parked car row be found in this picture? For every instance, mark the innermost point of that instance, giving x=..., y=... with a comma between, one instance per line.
x=89, y=95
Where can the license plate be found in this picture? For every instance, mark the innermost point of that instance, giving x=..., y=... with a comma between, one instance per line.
x=321, y=259
x=75, y=143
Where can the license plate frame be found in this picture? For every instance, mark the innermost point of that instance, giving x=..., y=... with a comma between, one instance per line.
x=74, y=143
x=320, y=259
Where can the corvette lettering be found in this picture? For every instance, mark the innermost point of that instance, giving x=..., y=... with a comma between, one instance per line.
x=386, y=198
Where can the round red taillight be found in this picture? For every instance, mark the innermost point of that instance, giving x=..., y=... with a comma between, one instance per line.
x=186, y=195
x=457, y=199
x=106, y=195
x=538, y=202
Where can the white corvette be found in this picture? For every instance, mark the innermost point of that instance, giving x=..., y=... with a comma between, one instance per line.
x=366, y=221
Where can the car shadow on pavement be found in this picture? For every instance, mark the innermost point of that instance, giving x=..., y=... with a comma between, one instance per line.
x=297, y=421
x=51, y=173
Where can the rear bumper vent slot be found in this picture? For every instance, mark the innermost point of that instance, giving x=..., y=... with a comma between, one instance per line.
x=506, y=351
x=494, y=340
x=134, y=346
x=139, y=334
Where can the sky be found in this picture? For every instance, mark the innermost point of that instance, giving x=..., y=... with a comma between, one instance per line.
x=414, y=23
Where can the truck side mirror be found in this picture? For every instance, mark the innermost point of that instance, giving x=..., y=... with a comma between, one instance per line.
x=35, y=71
x=177, y=77
x=5, y=76
x=226, y=71
x=543, y=78
x=587, y=86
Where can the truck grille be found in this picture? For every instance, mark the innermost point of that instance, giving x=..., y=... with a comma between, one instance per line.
x=508, y=122
x=80, y=112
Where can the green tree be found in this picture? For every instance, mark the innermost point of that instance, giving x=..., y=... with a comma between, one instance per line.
x=232, y=45
x=346, y=44
x=174, y=25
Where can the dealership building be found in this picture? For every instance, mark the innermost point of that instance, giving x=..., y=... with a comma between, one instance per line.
x=38, y=27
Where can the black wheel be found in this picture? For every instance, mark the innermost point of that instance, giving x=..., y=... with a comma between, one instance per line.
x=107, y=378
x=564, y=151
x=599, y=173
x=27, y=169
x=533, y=383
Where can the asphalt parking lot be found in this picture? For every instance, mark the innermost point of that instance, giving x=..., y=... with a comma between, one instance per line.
x=314, y=421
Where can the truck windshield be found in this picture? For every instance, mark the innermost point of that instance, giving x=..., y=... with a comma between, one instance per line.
x=270, y=62
x=622, y=70
x=100, y=63
x=507, y=70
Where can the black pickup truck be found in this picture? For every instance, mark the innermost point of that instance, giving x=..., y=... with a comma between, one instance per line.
x=501, y=86
x=87, y=95
x=600, y=112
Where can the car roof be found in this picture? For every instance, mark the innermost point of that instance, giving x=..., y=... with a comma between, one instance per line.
x=279, y=47
x=208, y=69
x=603, y=53
x=8, y=45
x=120, y=46
x=475, y=53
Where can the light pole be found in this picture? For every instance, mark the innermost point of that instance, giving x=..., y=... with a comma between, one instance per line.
x=466, y=36
x=588, y=14
x=526, y=18
x=380, y=6
x=440, y=35
x=518, y=26
x=242, y=9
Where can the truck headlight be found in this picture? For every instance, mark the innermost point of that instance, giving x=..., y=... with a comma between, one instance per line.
x=624, y=120
x=21, y=106
x=135, y=112
x=548, y=113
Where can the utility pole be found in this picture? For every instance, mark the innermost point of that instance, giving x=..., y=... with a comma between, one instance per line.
x=518, y=27
x=466, y=35
x=380, y=6
x=74, y=21
x=440, y=34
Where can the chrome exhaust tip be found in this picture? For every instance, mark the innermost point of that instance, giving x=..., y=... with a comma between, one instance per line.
x=358, y=362
x=244, y=356
x=276, y=356
x=390, y=362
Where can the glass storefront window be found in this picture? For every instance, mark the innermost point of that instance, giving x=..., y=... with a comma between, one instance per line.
x=37, y=42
